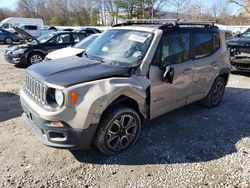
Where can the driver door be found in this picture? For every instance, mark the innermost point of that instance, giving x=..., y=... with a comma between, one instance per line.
x=173, y=53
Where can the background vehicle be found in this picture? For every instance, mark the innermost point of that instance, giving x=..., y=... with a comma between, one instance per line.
x=8, y=37
x=77, y=49
x=35, y=50
x=131, y=73
x=36, y=31
x=15, y=21
x=88, y=31
x=240, y=52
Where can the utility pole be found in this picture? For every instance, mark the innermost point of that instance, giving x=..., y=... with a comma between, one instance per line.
x=152, y=9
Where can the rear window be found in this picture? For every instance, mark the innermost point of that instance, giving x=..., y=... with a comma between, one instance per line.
x=203, y=43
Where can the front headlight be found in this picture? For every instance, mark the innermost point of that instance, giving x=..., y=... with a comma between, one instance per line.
x=19, y=51
x=59, y=97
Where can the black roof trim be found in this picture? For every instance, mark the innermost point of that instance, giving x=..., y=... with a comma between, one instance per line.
x=169, y=23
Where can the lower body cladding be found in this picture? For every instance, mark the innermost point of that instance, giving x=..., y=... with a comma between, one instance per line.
x=64, y=136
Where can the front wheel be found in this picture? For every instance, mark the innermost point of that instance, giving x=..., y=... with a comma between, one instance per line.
x=35, y=58
x=216, y=93
x=118, y=130
x=8, y=40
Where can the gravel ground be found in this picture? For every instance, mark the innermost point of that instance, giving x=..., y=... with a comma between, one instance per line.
x=190, y=147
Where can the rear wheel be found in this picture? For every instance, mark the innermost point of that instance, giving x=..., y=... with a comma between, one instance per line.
x=35, y=58
x=8, y=40
x=119, y=129
x=216, y=93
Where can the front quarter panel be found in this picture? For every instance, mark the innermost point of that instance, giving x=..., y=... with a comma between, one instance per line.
x=95, y=97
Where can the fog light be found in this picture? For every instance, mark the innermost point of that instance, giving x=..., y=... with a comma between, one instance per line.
x=56, y=124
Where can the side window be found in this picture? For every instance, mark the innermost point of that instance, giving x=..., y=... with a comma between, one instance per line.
x=203, y=44
x=6, y=25
x=173, y=48
x=216, y=41
x=61, y=39
x=24, y=27
x=90, y=32
x=78, y=37
x=32, y=27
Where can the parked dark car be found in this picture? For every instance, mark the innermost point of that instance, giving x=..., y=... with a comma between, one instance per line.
x=35, y=50
x=240, y=52
x=8, y=37
x=88, y=31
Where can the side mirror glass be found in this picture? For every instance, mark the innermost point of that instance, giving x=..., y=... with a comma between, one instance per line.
x=168, y=74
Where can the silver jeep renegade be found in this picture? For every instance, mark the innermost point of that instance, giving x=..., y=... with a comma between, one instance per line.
x=133, y=72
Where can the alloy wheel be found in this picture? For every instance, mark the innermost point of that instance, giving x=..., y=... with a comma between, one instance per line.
x=8, y=41
x=122, y=133
x=34, y=59
x=218, y=92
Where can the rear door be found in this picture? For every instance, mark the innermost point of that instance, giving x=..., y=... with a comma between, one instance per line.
x=205, y=58
x=174, y=52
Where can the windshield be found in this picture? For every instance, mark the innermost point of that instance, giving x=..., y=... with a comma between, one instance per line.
x=246, y=33
x=45, y=38
x=120, y=46
x=86, y=42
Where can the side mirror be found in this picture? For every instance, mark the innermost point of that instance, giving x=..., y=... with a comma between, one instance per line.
x=237, y=34
x=168, y=75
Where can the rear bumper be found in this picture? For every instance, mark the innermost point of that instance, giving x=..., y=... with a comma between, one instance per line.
x=59, y=137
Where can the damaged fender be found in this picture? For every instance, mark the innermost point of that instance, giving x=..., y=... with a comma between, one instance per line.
x=96, y=96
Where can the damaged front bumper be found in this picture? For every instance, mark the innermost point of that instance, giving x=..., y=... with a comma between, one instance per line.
x=240, y=59
x=64, y=136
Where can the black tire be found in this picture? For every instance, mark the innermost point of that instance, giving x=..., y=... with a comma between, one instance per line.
x=216, y=93
x=8, y=40
x=32, y=56
x=123, y=136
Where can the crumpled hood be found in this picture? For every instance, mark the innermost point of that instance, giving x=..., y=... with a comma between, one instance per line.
x=65, y=52
x=73, y=70
x=240, y=41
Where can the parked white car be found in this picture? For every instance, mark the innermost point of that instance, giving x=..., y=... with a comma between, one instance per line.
x=36, y=31
x=77, y=49
x=8, y=23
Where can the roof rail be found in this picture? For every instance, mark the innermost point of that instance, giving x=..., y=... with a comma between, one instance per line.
x=147, y=21
x=167, y=22
x=186, y=22
x=205, y=24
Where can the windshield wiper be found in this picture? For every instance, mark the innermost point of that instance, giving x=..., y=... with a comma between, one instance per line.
x=100, y=59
